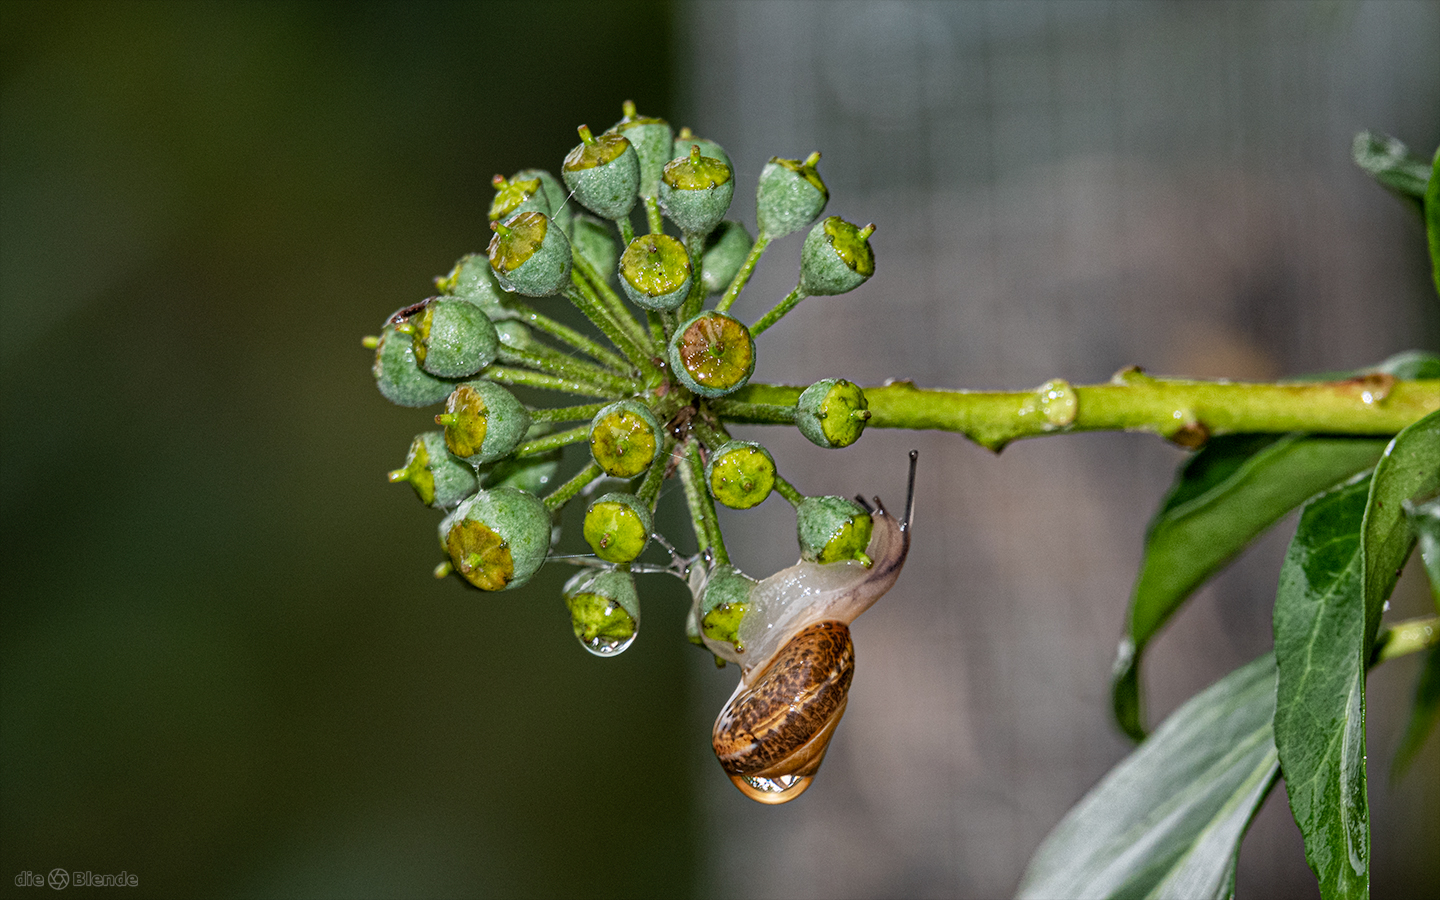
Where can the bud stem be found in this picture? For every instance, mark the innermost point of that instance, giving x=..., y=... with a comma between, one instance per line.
x=737, y=284
x=702, y=509
x=554, y=441
x=788, y=491
x=1373, y=404
x=611, y=300
x=695, y=248
x=527, y=378
x=652, y=215
x=766, y=413
x=627, y=231
x=564, y=333
x=562, y=366
x=567, y=491
x=596, y=313
x=778, y=312
x=649, y=491
x=565, y=413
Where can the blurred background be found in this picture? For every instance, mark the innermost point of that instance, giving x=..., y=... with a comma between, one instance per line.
x=224, y=666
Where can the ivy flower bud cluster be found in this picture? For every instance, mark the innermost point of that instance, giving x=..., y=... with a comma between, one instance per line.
x=650, y=391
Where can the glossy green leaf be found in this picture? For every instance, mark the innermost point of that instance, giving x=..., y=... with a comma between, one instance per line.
x=1390, y=162
x=1409, y=471
x=1320, y=651
x=1168, y=820
x=1423, y=714
x=1224, y=497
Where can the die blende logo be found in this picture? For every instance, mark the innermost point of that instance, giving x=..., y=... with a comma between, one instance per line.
x=60, y=879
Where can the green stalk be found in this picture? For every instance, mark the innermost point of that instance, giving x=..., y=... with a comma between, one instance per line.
x=611, y=300
x=702, y=509
x=788, y=491
x=545, y=414
x=652, y=215
x=768, y=413
x=554, y=441
x=597, y=314
x=746, y=270
x=649, y=491
x=562, y=366
x=695, y=249
x=1184, y=411
x=778, y=312
x=658, y=333
x=627, y=231
x=567, y=491
x=568, y=335
x=527, y=378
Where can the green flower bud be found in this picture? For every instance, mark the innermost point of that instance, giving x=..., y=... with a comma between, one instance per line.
x=439, y=479
x=722, y=606
x=604, y=610
x=498, y=538
x=624, y=438
x=530, y=255
x=398, y=373
x=740, y=474
x=472, y=279
x=712, y=354
x=725, y=252
x=655, y=271
x=653, y=142
x=836, y=258
x=517, y=336
x=603, y=173
x=695, y=192
x=530, y=190
x=453, y=338
x=833, y=529
x=595, y=241
x=483, y=422
x=832, y=413
x=532, y=474
x=790, y=195
x=617, y=527
x=687, y=139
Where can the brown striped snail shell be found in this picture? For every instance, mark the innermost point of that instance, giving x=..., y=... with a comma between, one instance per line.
x=797, y=661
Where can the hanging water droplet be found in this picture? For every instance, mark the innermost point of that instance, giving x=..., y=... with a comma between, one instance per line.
x=603, y=646
x=781, y=789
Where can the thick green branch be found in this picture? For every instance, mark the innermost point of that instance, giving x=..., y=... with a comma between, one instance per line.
x=1187, y=412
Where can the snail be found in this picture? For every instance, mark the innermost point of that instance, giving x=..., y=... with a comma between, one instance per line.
x=797, y=659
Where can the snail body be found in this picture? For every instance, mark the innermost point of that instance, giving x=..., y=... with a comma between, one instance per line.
x=797, y=660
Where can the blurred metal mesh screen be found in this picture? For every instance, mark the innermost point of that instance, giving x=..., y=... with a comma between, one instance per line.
x=1060, y=189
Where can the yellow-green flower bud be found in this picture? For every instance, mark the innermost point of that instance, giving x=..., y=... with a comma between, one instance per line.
x=836, y=257
x=497, y=539
x=740, y=474
x=832, y=413
x=472, y=279
x=483, y=422
x=790, y=195
x=625, y=438
x=722, y=607
x=832, y=529
x=530, y=190
x=725, y=252
x=604, y=610
x=603, y=172
x=655, y=271
x=712, y=354
x=595, y=241
x=439, y=479
x=653, y=142
x=453, y=338
x=530, y=255
x=398, y=374
x=617, y=527
x=687, y=139
x=695, y=192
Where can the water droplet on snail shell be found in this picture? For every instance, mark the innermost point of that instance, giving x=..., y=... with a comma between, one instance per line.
x=781, y=789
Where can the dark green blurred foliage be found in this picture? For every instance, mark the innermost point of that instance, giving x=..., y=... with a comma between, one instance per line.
x=225, y=667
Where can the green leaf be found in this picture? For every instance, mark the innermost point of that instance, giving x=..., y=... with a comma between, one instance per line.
x=1320, y=651
x=1425, y=519
x=1422, y=715
x=1167, y=821
x=1432, y=218
x=1389, y=162
x=1226, y=495
x=1409, y=471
